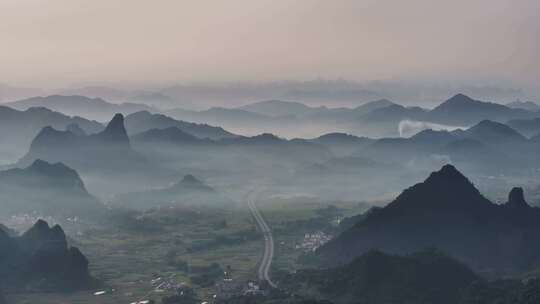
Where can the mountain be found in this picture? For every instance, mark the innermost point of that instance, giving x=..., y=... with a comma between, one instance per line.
x=342, y=144
x=189, y=191
x=93, y=108
x=107, y=150
x=420, y=147
x=525, y=105
x=144, y=121
x=492, y=132
x=18, y=128
x=447, y=212
x=41, y=260
x=171, y=135
x=247, y=156
x=527, y=127
x=46, y=189
x=462, y=110
x=479, y=147
x=276, y=108
x=374, y=277
x=373, y=105
x=395, y=112
x=235, y=118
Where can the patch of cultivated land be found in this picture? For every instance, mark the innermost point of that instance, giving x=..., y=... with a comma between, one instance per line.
x=136, y=248
x=128, y=258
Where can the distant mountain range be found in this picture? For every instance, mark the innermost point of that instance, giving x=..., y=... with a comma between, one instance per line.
x=527, y=127
x=488, y=146
x=277, y=108
x=143, y=121
x=342, y=144
x=76, y=105
x=447, y=212
x=525, y=105
x=379, y=118
x=463, y=110
x=173, y=146
x=18, y=128
x=40, y=260
x=44, y=189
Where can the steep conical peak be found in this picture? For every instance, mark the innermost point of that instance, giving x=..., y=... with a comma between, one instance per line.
x=448, y=173
x=115, y=130
x=459, y=98
x=446, y=188
x=516, y=198
x=41, y=237
x=190, y=179
x=57, y=233
x=116, y=123
x=38, y=231
x=191, y=182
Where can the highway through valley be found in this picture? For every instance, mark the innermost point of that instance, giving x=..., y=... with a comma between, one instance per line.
x=268, y=255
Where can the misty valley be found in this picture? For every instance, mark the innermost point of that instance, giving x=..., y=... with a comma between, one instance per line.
x=271, y=202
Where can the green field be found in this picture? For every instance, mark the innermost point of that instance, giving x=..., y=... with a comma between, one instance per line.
x=133, y=250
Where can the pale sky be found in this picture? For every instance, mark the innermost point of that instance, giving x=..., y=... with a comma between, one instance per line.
x=60, y=42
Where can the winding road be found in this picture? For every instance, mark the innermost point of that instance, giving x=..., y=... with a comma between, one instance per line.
x=266, y=260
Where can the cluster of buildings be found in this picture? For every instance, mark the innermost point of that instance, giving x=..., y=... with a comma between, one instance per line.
x=161, y=284
x=312, y=241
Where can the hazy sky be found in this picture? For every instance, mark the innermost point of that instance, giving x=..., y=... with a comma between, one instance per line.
x=60, y=42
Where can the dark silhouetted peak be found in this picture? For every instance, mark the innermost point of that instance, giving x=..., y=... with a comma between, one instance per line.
x=190, y=179
x=191, y=182
x=516, y=198
x=447, y=188
x=460, y=99
x=41, y=227
x=42, y=237
x=448, y=175
x=115, y=130
x=41, y=255
x=75, y=129
x=57, y=232
x=447, y=172
x=42, y=232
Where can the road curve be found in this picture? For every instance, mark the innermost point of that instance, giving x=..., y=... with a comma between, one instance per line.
x=266, y=260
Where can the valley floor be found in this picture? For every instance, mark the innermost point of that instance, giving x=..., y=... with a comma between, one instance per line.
x=147, y=256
